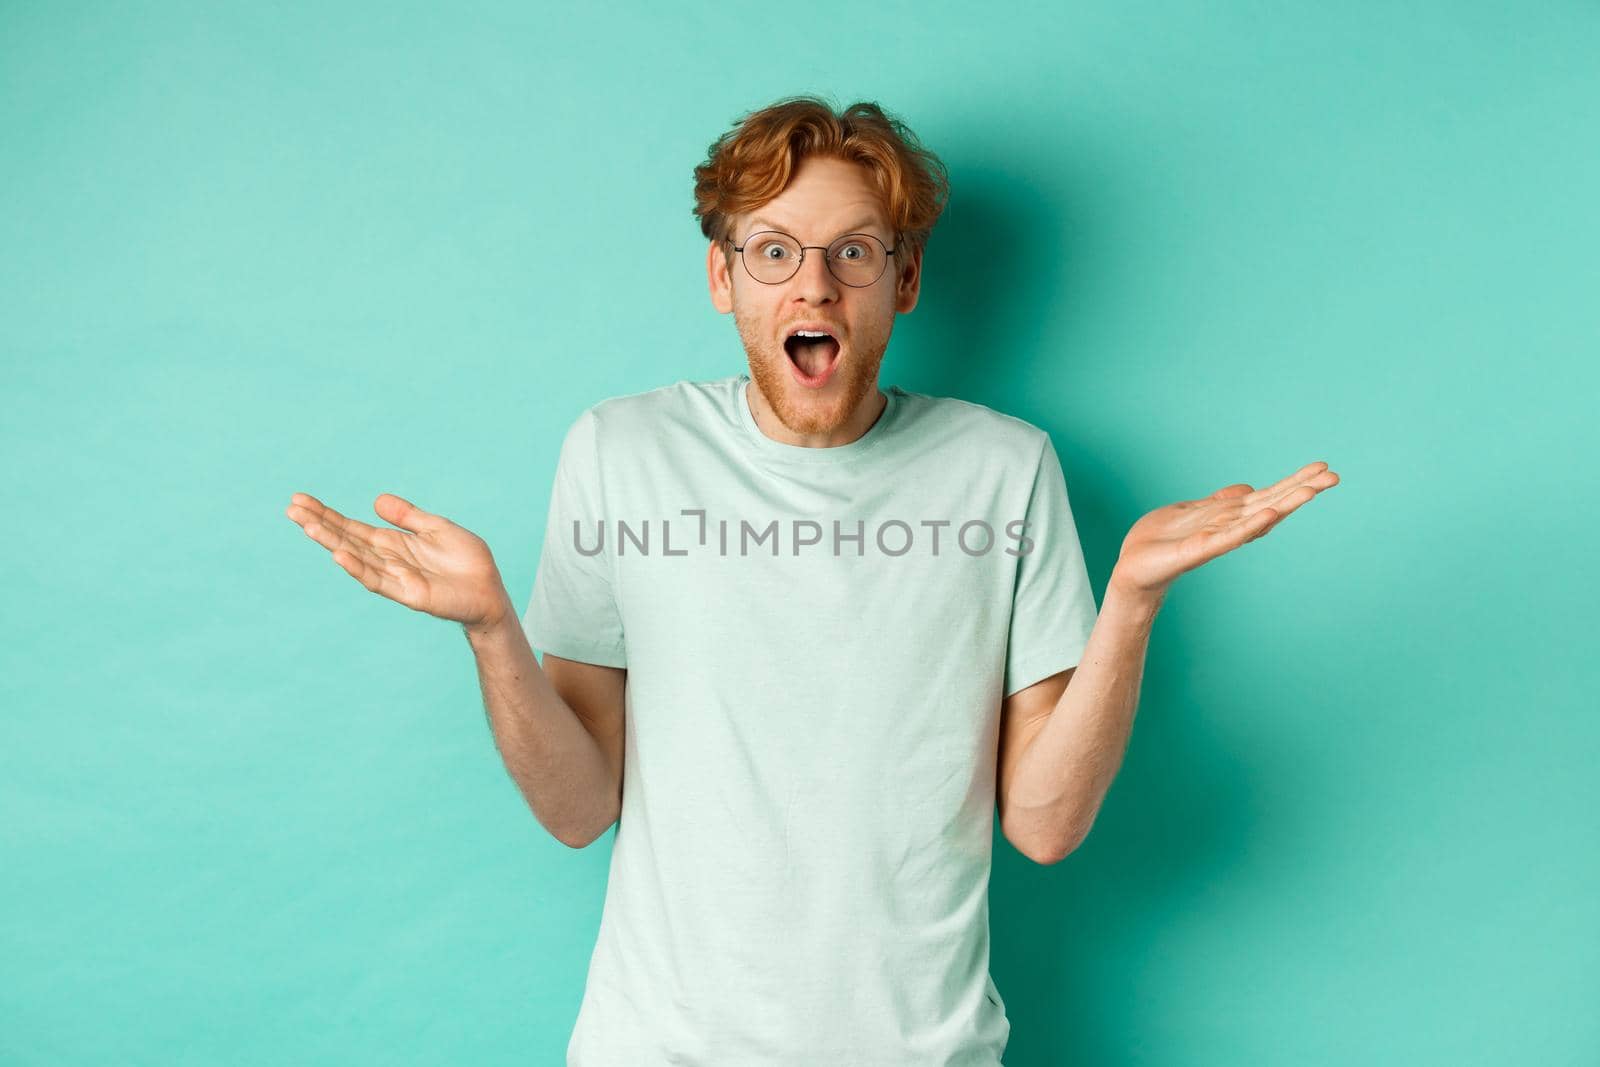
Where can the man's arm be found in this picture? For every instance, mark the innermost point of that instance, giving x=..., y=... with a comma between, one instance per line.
x=559, y=729
x=1062, y=739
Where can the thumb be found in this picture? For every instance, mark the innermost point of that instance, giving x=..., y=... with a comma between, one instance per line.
x=406, y=515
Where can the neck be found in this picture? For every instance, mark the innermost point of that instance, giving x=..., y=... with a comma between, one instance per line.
x=858, y=423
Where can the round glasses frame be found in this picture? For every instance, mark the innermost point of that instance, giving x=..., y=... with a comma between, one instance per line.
x=801, y=260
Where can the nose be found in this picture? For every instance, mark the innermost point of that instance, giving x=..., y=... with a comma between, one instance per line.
x=814, y=280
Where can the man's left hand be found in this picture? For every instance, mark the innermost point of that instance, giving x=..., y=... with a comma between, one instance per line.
x=1180, y=537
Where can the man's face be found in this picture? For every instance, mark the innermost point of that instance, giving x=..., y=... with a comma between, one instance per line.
x=826, y=199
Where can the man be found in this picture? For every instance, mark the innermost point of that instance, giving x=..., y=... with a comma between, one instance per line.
x=802, y=636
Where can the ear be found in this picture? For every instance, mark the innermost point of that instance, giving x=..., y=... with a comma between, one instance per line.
x=718, y=277
x=908, y=282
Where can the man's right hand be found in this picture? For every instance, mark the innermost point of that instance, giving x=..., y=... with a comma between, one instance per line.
x=430, y=564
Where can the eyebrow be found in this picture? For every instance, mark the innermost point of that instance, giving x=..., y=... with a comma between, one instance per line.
x=858, y=226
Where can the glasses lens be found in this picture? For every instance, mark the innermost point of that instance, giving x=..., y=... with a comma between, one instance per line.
x=857, y=258
x=771, y=256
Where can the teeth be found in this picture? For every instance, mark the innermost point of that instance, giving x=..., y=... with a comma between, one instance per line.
x=810, y=333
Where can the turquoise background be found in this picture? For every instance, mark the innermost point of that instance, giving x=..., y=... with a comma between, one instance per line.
x=253, y=814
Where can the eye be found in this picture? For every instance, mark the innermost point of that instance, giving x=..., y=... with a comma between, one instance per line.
x=774, y=247
x=858, y=249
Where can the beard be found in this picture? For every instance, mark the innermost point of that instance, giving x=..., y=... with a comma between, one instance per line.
x=813, y=411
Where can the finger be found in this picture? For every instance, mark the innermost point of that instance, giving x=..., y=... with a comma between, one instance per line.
x=308, y=509
x=357, y=555
x=375, y=577
x=334, y=531
x=1257, y=523
x=406, y=515
x=1287, y=504
x=1296, y=478
x=1316, y=483
x=330, y=536
x=1228, y=492
x=304, y=506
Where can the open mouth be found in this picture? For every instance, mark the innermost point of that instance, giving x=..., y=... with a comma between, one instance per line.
x=813, y=352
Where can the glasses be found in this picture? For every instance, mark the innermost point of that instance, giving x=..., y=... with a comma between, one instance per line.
x=856, y=259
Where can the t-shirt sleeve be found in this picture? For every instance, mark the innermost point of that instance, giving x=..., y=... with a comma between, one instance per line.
x=1052, y=606
x=573, y=610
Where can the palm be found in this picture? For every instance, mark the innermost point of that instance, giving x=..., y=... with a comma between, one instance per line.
x=1180, y=537
x=430, y=565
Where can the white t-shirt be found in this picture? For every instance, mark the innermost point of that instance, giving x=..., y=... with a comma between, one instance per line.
x=817, y=642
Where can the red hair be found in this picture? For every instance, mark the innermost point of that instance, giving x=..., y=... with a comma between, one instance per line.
x=754, y=162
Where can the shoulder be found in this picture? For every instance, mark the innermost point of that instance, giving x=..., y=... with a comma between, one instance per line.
x=972, y=429
x=649, y=416
x=660, y=418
